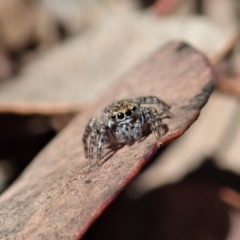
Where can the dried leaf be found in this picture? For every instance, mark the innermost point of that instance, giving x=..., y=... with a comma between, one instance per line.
x=229, y=85
x=58, y=196
x=79, y=16
x=183, y=7
x=23, y=22
x=204, y=139
x=225, y=8
x=64, y=76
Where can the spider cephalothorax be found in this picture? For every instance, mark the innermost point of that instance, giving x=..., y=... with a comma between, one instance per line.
x=124, y=121
x=117, y=112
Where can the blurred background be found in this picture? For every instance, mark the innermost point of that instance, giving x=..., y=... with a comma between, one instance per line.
x=56, y=56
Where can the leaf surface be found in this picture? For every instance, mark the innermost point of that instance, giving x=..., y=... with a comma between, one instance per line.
x=58, y=196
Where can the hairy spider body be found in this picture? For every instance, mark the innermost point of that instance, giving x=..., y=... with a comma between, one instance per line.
x=124, y=121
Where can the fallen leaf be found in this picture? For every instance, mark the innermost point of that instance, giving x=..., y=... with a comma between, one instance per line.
x=63, y=79
x=23, y=22
x=204, y=139
x=229, y=85
x=58, y=196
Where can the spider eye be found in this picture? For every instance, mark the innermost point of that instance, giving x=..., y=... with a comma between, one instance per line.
x=134, y=108
x=128, y=113
x=113, y=117
x=120, y=116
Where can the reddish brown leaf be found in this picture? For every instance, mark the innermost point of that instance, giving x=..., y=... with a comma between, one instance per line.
x=230, y=196
x=58, y=196
x=164, y=7
x=230, y=85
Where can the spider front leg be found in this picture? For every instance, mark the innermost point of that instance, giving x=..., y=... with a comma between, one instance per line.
x=91, y=126
x=97, y=139
x=97, y=132
x=92, y=145
x=154, y=121
x=154, y=100
x=100, y=141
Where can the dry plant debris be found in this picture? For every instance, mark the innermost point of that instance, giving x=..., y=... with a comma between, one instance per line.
x=58, y=196
x=25, y=25
x=79, y=16
x=23, y=22
x=229, y=85
x=63, y=78
x=188, y=209
x=216, y=135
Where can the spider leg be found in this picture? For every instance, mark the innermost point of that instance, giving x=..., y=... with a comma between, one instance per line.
x=154, y=121
x=100, y=141
x=164, y=107
x=86, y=134
x=97, y=132
x=92, y=145
x=92, y=124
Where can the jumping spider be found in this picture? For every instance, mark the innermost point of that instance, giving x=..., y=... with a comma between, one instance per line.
x=124, y=121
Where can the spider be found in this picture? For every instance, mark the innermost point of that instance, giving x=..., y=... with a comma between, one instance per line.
x=124, y=121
